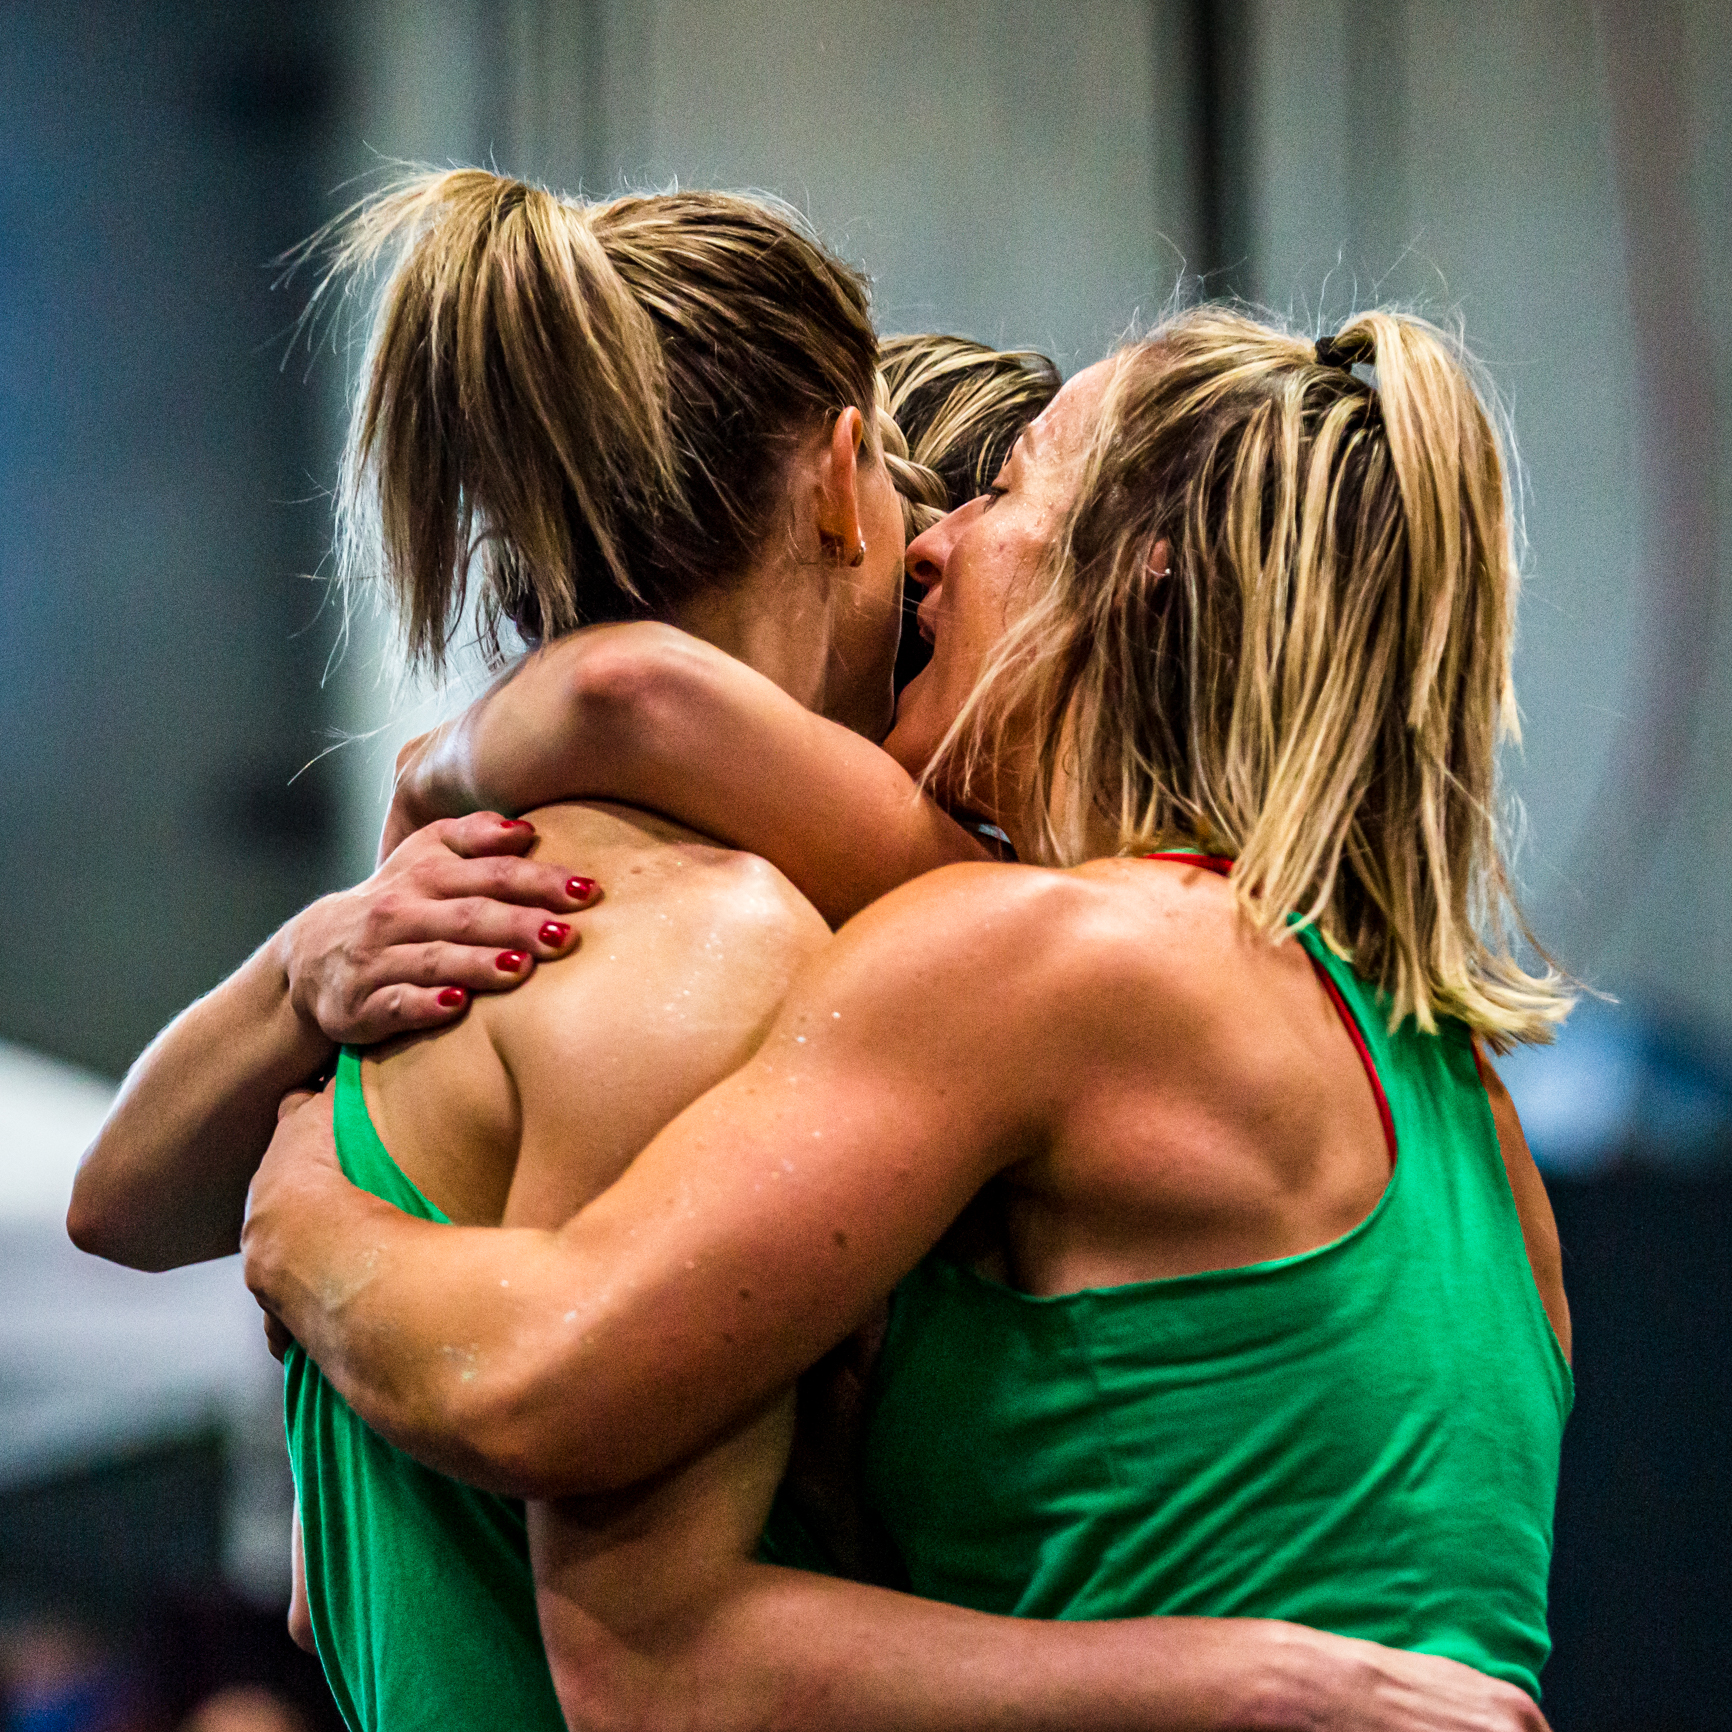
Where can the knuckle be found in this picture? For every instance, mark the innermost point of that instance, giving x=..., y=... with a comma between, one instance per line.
x=501, y=874
x=383, y=910
x=466, y=917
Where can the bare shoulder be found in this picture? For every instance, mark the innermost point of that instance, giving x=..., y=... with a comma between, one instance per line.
x=1105, y=923
x=1006, y=943
x=689, y=942
x=647, y=864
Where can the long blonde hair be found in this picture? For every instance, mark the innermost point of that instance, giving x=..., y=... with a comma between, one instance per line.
x=591, y=401
x=1313, y=674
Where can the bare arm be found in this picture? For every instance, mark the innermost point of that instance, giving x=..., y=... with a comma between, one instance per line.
x=300, y=1609
x=1533, y=1206
x=653, y=1616
x=751, y=1236
x=650, y=715
x=165, y=1182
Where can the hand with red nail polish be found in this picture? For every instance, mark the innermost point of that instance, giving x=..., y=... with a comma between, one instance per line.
x=461, y=906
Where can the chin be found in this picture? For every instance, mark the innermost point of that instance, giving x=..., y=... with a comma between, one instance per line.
x=914, y=737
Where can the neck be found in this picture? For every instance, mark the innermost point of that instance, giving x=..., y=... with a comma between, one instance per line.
x=1100, y=837
x=780, y=619
x=771, y=622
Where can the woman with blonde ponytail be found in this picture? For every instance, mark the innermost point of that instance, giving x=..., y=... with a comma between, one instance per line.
x=1246, y=1299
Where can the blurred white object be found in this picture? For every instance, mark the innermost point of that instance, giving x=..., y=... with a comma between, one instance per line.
x=48, y=1114
x=97, y=1361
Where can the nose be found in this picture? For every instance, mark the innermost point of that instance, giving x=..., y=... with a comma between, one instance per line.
x=928, y=551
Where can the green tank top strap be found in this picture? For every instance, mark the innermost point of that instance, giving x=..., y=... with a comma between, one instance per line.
x=422, y=1600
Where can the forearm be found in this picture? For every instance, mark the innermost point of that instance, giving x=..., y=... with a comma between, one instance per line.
x=788, y=1650
x=165, y=1182
x=386, y=1305
x=652, y=717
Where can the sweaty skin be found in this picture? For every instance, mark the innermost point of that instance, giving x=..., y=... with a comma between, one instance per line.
x=652, y=1612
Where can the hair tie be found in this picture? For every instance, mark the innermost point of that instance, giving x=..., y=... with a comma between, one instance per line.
x=1345, y=349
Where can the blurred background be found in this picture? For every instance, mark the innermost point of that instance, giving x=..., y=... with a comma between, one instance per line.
x=1555, y=174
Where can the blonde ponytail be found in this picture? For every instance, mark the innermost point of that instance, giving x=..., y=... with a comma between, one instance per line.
x=1317, y=678
x=959, y=406
x=515, y=395
x=591, y=402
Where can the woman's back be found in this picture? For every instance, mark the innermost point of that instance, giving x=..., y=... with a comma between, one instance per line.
x=1210, y=1352
x=535, y=1102
x=421, y=1594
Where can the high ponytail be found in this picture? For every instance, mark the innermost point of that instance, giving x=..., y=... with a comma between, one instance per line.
x=590, y=403
x=1315, y=676
x=514, y=395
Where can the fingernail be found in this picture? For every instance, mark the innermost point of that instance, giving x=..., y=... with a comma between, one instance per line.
x=553, y=932
x=580, y=889
x=515, y=824
x=450, y=997
x=510, y=960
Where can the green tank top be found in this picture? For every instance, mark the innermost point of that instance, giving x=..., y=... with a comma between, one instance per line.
x=1363, y=1438
x=421, y=1595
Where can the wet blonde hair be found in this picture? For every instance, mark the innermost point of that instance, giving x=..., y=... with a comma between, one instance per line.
x=959, y=406
x=591, y=402
x=1315, y=676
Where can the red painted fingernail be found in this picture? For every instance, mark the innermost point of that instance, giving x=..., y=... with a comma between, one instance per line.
x=515, y=824
x=553, y=932
x=510, y=960
x=580, y=889
x=450, y=997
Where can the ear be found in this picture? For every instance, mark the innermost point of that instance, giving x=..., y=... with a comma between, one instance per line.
x=1161, y=559
x=839, y=485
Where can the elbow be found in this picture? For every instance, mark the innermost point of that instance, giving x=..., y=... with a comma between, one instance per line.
x=638, y=683
x=97, y=1219
x=87, y=1225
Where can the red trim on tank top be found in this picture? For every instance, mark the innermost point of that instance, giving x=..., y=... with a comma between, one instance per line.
x=1221, y=865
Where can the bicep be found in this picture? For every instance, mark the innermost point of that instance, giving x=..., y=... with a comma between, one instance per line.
x=760, y=1227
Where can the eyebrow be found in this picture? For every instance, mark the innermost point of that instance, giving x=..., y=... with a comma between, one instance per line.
x=1028, y=437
